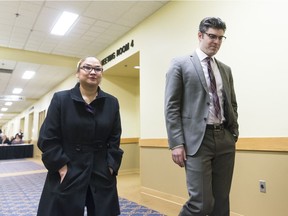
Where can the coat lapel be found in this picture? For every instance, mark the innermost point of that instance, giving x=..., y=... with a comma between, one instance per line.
x=223, y=77
x=198, y=68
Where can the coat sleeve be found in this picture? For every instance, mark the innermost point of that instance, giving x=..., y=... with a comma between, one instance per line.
x=50, y=138
x=235, y=126
x=172, y=107
x=114, y=151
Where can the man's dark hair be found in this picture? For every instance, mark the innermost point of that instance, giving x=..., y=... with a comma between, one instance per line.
x=211, y=22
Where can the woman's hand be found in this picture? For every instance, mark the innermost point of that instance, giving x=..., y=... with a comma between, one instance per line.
x=63, y=172
x=111, y=170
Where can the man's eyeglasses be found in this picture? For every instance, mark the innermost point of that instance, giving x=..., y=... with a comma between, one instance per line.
x=214, y=37
x=88, y=69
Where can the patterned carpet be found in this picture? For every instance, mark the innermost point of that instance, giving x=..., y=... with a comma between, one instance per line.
x=18, y=165
x=20, y=194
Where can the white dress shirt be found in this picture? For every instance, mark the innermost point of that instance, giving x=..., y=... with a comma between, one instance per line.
x=212, y=119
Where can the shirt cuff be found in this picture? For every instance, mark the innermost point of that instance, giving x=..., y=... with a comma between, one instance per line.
x=178, y=146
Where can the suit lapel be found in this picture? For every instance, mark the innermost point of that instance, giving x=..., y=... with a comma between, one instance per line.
x=223, y=77
x=225, y=92
x=198, y=68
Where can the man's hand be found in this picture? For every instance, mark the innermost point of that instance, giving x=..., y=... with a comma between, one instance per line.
x=63, y=172
x=179, y=156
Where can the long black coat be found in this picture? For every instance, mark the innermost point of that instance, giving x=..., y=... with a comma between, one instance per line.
x=87, y=139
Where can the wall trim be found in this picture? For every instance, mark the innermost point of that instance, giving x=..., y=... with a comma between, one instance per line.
x=277, y=144
x=168, y=199
x=154, y=143
x=129, y=140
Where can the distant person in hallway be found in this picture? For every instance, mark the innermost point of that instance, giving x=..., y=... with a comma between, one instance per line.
x=201, y=122
x=20, y=133
x=80, y=140
x=17, y=139
x=5, y=140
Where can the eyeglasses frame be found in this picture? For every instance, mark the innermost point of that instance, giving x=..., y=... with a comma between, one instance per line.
x=214, y=37
x=96, y=69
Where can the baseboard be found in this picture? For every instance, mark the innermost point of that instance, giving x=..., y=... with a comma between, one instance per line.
x=169, y=199
x=235, y=214
x=163, y=197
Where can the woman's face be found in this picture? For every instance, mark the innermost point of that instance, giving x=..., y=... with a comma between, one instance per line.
x=90, y=72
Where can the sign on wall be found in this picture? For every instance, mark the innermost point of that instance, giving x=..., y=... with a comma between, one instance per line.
x=118, y=52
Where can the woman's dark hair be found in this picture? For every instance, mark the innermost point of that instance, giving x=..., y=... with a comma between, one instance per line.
x=211, y=22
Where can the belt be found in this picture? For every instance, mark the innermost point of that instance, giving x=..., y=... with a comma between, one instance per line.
x=90, y=148
x=215, y=127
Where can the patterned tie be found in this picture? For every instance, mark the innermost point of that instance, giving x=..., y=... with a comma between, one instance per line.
x=213, y=89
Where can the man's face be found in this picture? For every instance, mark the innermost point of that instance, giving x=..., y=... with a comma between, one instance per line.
x=211, y=40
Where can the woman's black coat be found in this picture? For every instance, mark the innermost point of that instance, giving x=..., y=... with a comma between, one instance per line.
x=87, y=139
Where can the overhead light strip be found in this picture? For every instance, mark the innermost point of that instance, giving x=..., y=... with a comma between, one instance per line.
x=64, y=23
x=28, y=74
x=17, y=90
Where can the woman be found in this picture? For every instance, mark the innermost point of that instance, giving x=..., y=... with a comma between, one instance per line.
x=80, y=140
x=17, y=140
x=5, y=140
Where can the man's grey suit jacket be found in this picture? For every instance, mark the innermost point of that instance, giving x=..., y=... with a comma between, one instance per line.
x=187, y=102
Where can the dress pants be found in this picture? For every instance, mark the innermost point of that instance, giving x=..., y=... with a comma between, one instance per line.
x=209, y=175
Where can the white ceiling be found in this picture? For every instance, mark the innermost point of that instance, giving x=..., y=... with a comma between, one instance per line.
x=26, y=25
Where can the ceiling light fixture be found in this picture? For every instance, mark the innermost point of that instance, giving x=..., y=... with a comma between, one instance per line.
x=4, y=109
x=12, y=98
x=63, y=24
x=17, y=90
x=28, y=74
x=8, y=103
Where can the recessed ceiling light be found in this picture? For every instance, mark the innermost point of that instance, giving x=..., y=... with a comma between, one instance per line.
x=12, y=98
x=137, y=67
x=28, y=74
x=8, y=103
x=17, y=90
x=63, y=24
x=4, y=109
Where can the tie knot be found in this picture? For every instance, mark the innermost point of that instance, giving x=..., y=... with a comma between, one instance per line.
x=209, y=59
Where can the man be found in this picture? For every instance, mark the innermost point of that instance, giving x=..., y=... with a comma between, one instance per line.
x=201, y=120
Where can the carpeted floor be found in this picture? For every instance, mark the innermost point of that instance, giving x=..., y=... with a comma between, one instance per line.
x=19, y=194
x=18, y=165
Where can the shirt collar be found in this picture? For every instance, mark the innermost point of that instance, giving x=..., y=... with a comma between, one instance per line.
x=202, y=56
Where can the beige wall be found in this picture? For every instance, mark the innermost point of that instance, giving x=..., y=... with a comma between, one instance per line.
x=127, y=91
x=130, y=160
x=249, y=169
